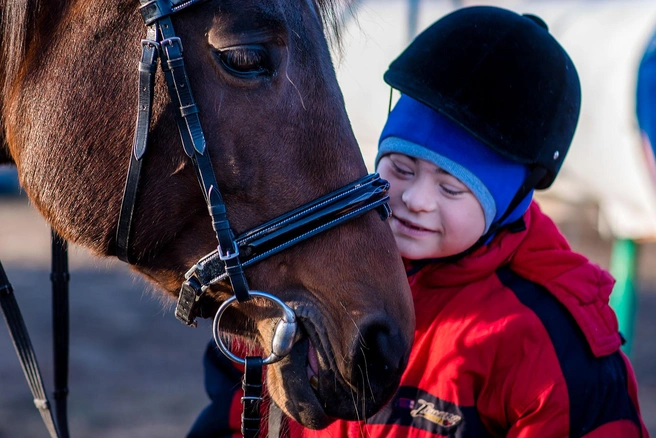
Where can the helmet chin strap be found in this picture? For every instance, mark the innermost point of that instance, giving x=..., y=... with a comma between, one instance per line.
x=389, y=107
x=531, y=181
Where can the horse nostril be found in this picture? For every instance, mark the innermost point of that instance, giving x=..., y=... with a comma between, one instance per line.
x=379, y=359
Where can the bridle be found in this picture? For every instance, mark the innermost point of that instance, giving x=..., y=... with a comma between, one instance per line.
x=224, y=265
x=232, y=254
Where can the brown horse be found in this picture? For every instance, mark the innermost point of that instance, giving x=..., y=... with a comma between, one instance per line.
x=278, y=135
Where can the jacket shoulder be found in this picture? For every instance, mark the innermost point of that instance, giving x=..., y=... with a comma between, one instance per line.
x=596, y=386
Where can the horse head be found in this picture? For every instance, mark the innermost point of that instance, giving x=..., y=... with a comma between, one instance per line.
x=278, y=137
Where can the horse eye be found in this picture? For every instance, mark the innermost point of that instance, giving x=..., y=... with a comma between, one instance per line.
x=245, y=61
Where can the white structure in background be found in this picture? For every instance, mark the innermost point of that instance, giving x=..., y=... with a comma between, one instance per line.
x=606, y=164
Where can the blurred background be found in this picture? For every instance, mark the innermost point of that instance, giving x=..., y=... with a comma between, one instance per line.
x=135, y=371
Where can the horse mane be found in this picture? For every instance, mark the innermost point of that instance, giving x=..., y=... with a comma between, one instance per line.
x=20, y=21
x=334, y=14
x=17, y=25
x=14, y=15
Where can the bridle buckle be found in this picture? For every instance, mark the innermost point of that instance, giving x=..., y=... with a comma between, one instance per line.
x=172, y=42
x=190, y=293
x=150, y=43
x=228, y=255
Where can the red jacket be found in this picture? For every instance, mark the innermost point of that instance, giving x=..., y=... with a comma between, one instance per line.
x=515, y=340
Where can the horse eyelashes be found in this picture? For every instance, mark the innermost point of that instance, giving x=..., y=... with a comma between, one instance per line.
x=245, y=58
x=245, y=62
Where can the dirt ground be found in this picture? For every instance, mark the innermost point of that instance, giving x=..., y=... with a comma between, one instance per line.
x=135, y=371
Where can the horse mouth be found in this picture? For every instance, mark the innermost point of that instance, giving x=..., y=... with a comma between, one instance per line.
x=312, y=366
x=316, y=391
x=290, y=387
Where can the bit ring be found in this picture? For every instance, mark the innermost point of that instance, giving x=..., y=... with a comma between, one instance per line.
x=283, y=336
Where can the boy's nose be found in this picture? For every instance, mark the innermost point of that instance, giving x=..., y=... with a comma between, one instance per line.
x=420, y=196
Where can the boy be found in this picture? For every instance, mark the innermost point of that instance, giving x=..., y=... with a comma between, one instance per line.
x=514, y=334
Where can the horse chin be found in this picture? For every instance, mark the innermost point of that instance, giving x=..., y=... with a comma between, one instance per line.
x=293, y=392
x=329, y=397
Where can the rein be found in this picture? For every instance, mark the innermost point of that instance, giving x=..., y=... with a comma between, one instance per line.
x=225, y=264
x=56, y=424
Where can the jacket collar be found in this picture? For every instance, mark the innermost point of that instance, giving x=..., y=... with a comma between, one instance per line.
x=542, y=255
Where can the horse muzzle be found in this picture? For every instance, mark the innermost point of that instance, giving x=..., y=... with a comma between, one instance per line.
x=322, y=383
x=369, y=374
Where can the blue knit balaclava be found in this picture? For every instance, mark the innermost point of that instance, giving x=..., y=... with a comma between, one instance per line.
x=418, y=131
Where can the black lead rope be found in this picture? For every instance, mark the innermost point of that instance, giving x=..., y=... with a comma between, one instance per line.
x=60, y=317
x=25, y=350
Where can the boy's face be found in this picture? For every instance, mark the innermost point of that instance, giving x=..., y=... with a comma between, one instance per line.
x=433, y=213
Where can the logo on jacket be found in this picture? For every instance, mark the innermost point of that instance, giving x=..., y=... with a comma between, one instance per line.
x=415, y=408
x=428, y=411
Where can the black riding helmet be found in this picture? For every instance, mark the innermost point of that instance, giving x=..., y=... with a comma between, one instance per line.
x=502, y=77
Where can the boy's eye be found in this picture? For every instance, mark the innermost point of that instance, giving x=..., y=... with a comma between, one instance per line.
x=401, y=170
x=451, y=190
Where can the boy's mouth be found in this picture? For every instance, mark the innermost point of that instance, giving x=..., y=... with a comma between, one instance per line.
x=412, y=225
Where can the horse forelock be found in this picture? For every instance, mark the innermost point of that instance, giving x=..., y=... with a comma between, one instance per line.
x=334, y=14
